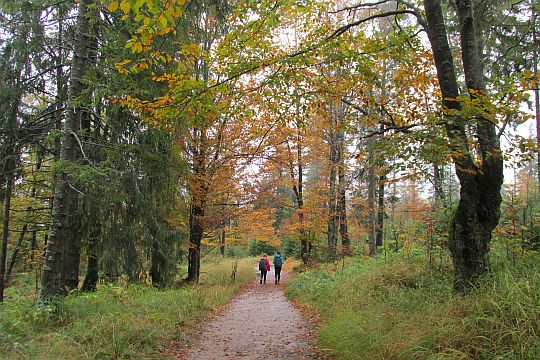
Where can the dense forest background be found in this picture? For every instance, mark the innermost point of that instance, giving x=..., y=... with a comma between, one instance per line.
x=139, y=138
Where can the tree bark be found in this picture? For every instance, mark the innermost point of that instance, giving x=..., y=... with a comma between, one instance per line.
x=372, y=180
x=333, y=221
x=379, y=230
x=478, y=210
x=305, y=246
x=158, y=261
x=33, y=249
x=341, y=196
x=536, y=95
x=195, y=238
x=53, y=277
x=199, y=193
x=222, y=247
x=5, y=232
x=92, y=271
x=15, y=253
x=438, y=181
x=9, y=168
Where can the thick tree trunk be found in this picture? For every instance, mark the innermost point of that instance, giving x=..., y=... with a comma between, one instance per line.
x=195, y=237
x=72, y=255
x=52, y=282
x=478, y=210
x=92, y=271
x=197, y=211
x=158, y=264
x=9, y=168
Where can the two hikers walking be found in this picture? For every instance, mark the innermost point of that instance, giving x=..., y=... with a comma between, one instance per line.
x=264, y=267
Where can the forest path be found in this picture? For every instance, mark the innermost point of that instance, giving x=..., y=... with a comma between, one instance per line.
x=258, y=323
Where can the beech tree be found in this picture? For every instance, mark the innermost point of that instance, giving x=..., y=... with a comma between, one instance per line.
x=480, y=172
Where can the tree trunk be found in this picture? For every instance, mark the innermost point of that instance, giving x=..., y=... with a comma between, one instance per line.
x=536, y=95
x=9, y=168
x=222, y=247
x=341, y=197
x=52, y=282
x=438, y=181
x=478, y=210
x=333, y=221
x=15, y=253
x=158, y=263
x=298, y=189
x=372, y=185
x=195, y=238
x=72, y=254
x=379, y=230
x=305, y=246
x=33, y=249
x=92, y=271
x=5, y=232
x=199, y=192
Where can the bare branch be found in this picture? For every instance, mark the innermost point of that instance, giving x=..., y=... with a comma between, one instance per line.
x=346, y=28
x=404, y=128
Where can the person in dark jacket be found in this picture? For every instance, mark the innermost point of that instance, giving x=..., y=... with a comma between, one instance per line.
x=264, y=267
x=278, y=263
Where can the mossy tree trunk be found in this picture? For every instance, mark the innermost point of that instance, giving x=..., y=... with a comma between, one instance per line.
x=481, y=179
x=61, y=241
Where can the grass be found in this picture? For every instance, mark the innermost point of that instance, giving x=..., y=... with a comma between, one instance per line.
x=402, y=309
x=116, y=322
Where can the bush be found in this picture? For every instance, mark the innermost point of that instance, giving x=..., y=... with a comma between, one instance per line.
x=402, y=309
x=116, y=322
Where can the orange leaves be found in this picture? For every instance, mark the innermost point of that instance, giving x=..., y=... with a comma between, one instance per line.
x=258, y=225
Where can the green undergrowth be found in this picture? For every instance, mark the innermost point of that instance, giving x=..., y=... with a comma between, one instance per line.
x=116, y=322
x=399, y=308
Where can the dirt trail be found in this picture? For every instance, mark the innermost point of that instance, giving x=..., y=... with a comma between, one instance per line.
x=258, y=323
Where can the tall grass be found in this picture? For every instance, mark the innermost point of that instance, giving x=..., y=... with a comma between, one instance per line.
x=401, y=309
x=116, y=322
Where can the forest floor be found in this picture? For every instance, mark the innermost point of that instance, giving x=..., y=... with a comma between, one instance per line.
x=259, y=322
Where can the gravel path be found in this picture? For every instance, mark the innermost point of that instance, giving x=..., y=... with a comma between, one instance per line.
x=259, y=323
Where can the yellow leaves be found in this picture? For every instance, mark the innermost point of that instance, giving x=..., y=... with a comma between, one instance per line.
x=152, y=19
x=113, y=6
x=162, y=21
x=137, y=47
x=191, y=50
x=120, y=66
x=125, y=6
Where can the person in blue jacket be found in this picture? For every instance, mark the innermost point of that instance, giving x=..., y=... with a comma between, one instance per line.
x=278, y=263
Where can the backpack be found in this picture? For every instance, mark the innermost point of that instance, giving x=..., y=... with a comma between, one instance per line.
x=262, y=265
x=277, y=261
